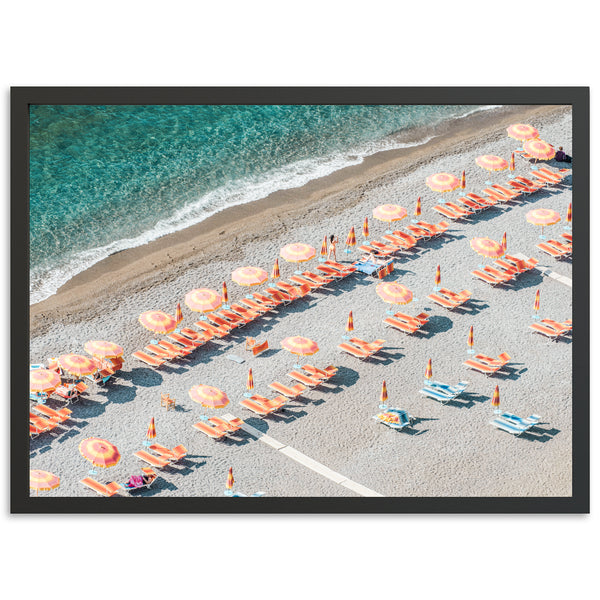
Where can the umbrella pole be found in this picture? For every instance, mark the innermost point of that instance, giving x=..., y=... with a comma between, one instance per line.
x=542, y=236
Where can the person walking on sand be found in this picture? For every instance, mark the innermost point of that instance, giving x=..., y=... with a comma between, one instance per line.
x=332, y=244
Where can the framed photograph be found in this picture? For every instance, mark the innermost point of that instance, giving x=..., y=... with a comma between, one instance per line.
x=293, y=300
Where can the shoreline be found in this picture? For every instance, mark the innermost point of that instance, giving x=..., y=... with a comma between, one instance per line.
x=162, y=260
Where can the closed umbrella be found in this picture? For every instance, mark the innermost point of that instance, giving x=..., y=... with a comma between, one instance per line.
x=230, y=482
x=471, y=341
x=496, y=401
x=365, y=227
x=536, y=305
x=350, y=240
x=249, y=385
x=438, y=278
x=151, y=433
x=384, y=396
x=511, y=165
x=463, y=181
x=323, y=251
x=503, y=242
x=417, y=210
x=275, y=270
x=225, y=295
x=569, y=217
x=178, y=314
x=349, y=326
x=428, y=372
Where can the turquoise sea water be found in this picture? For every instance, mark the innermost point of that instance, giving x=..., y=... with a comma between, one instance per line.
x=106, y=178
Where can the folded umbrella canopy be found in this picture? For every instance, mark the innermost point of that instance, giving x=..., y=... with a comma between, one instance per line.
x=42, y=480
x=158, y=321
x=417, y=212
x=178, y=314
x=151, y=433
x=539, y=149
x=443, y=182
x=350, y=240
x=471, y=341
x=384, y=396
x=275, y=271
x=365, y=227
x=496, y=400
x=522, y=132
x=428, y=371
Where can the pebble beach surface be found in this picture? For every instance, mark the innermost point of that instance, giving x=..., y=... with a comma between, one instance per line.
x=451, y=450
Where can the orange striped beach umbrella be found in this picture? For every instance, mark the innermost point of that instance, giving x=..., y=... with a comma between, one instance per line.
x=511, y=165
x=536, y=304
x=77, y=365
x=300, y=346
x=230, y=479
x=542, y=217
x=249, y=384
x=350, y=240
x=42, y=480
x=522, y=132
x=43, y=381
x=275, y=270
x=208, y=396
x=158, y=321
x=297, y=253
x=539, y=149
x=393, y=292
x=417, y=210
x=101, y=453
x=438, y=278
x=490, y=162
x=178, y=314
x=471, y=341
x=463, y=180
x=249, y=276
x=203, y=300
x=103, y=349
x=429, y=370
x=151, y=433
x=384, y=396
x=496, y=400
x=443, y=182
x=365, y=228
x=389, y=213
x=487, y=247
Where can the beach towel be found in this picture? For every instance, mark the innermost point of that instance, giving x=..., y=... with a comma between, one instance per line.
x=135, y=481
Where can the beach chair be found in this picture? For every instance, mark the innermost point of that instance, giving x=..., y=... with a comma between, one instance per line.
x=419, y=232
x=484, y=368
x=104, y=490
x=59, y=416
x=553, y=251
x=436, y=394
x=488, y=278
x=419, y=319
x=332, y=272
x=354, y=351
x=402, y=239
x=265, y=303
x=153, y=475
x=177, y=351
x=377, y=252
x=194, y=336
x=436, y=230
x=254, y=347
x=521, y=187
x=371, y=347
x=34, y=430
x=255, y=305
x=403, y=326
x=442, y=391
x=510, y=194
x=530, y=184
x=238, y=320
x=566, y=246
x=260, y=405
x=496, y=195
x=383, y=249
x=567, y=236
x=151, y=361
x=71, y=392
x=222, y=323
x=527, y=422
x=346, y=269
x=293, y=392
x=394, y=418
x=299, y=291
x=167, y=401
x=156, y=461
x=547, y=330
x=462, y=296
x=279, y=295
x=317, y=278
x=218, y=332
x=326, y=373
x=173, y=454
x=160, y=352
x=231, y=426
x=566, y=326
x=546, y=179
x=520, y=264
x=508, y=426
x=186, y=342
x=443, y=301
x=298, y=279
x=216, y=433
x=560, y=173
x=506, y=276
x=450, y=213
x=304, y=379
x=482, y=201
x=502, y=360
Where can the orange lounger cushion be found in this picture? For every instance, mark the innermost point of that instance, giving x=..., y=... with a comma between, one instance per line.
x=305, y=379
x=481, y=367
x=155, y=461
x=104, y=490
x=293, y=392
x=325, y=373
x=546, y=330
x=258, y=407
x=149, y=360
x=354, y=351
x=214, y=432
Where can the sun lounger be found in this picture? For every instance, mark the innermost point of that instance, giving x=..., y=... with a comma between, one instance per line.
x=379, y=251
x=72, y=391
x=481, y=200
x=502, y=359
x=258, y=405
x=160, y=352
x=488, y=278
x=530, y=184
x=293, y=392
x=346, y=269
x=104, y=490
x=567, y=236
x=219, y=332
x=443, y=301
x=326, y=373
x=560, y=173
x=508, y=426
x=484, y=368
x=151, y=361
x=354, y=351
x=216, y=433
x=42, y=423
x=566, y=326
x=34, y=430
x=402, y=239
x=299, y=280
x=279, y=295
x=562, y=246
x=520, y=264
x=419, y=319
x=436, y=394
x=452, y=391
x=307, y=380
x=332, y=272
x=155, y=461
x=299, y=291
x=177, y=351
x=521, y=187
x=371, y=347
x=547, y=330
x=317, y=278
x=461, y=296
x=234, y=318
x=496, y=195
x=510, y=194
x=228, y=426
x=498, y=273
x=193, y=336
x=59, y=416
x=185, y=342
x=220, y=322
x=394, y=418
x=545, y=179
x=527, y=422
x=403, y=326
x=553, y=251
x=174, y=454
x=278, y=401
x=420, y=232
x=254, y=347
x=436, y=230
x=254, y=305
x=452, y=212
x=471, y=204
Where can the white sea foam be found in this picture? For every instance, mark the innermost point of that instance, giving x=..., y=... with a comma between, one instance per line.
x=45, y=282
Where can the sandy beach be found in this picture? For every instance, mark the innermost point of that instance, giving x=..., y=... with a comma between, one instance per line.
x=452, y=450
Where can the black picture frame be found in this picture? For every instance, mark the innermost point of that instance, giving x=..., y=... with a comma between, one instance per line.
x=23, y=97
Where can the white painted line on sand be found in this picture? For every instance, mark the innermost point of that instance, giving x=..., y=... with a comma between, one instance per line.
x=548, y=273
x=312, y=464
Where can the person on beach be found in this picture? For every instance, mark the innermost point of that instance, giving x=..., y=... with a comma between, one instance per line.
x=561, y=156
x=332, y=244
